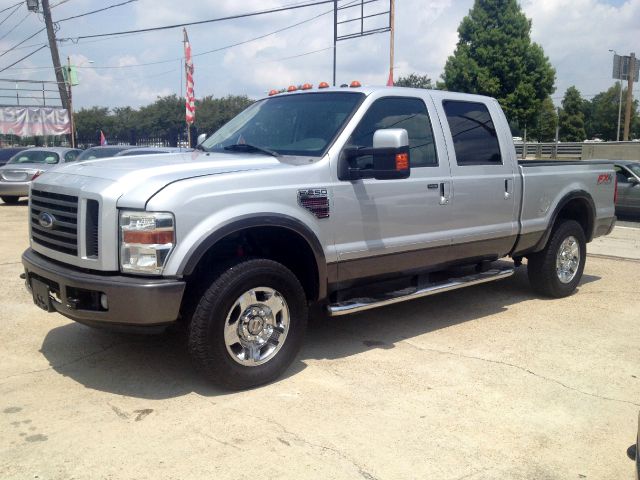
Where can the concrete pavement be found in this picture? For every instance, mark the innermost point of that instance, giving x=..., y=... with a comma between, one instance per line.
x=490, y=382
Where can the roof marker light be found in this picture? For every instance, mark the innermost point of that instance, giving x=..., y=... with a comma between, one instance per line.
x=355, y=84
x=292, y=88
x=306, y=86
x=323, y=85
x=273, y=92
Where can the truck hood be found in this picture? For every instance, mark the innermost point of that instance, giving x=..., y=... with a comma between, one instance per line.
x=138, y=178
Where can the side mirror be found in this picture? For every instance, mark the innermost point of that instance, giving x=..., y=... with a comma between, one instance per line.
x=390, y=157
x=633, y=180
x=201, y=138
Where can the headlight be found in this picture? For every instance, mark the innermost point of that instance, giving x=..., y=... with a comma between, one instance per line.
x=146, y=239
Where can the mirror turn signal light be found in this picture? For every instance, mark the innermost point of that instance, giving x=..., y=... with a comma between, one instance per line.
x=402, y=161
x=323, y=85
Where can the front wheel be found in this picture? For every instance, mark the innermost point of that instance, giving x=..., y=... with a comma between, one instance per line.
x=249, y=324
x=557, y=270
x=10, y=200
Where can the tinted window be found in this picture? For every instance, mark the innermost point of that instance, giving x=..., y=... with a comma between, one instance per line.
x=35, y=156
x=300, y=124
x=395, y=112
x=622, y=175
x=474, y=136
x=71, y=155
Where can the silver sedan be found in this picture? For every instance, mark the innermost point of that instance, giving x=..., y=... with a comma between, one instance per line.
x=26, y=165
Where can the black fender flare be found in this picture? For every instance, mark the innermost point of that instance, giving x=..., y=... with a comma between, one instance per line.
x=188, y=265
x=573, y=195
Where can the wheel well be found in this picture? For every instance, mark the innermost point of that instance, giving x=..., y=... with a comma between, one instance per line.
x=578, y=209
x=280, y=244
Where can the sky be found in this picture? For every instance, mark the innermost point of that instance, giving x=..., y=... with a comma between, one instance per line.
x=576, y=35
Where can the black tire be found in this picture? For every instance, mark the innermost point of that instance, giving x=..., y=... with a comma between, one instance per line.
x=206, y=332
x=10, y=200
x=541, y=266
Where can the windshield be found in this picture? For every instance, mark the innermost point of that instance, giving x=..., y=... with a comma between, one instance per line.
x=303, y=124
x=34, y=156
x=99, y=152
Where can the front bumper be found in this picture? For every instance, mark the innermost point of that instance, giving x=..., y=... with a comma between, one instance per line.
x=132, y=301
x=14, y=189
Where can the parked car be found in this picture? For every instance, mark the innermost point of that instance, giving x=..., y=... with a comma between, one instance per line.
x=26, y=165
x=7, y=152
x=351, y=199
x=101, y=152
x=628, y=176
x=135, y=151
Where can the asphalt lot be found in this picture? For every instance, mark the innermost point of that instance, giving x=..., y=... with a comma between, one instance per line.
x=484, y=383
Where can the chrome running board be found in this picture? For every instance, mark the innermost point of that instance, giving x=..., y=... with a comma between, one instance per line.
x=361, y=304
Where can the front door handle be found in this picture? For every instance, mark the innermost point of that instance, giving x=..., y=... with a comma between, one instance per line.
x=445, y=192
x=508, y=188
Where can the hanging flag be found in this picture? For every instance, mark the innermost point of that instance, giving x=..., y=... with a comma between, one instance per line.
x=103, y=139
x=390, y=81
x=190, y=104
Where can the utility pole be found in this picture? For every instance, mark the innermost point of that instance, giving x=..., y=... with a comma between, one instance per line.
x=70, y=110
x=391, y=31
x=627, y=110
x=55, y=57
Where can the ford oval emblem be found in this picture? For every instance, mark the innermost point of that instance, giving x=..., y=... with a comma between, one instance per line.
x=46, y=220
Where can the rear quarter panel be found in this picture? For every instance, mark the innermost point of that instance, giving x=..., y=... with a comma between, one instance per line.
x=545, y=187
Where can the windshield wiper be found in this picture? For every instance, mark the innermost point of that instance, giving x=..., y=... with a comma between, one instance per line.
x=238, y=147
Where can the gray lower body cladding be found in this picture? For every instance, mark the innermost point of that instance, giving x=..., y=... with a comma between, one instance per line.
x=131, y=301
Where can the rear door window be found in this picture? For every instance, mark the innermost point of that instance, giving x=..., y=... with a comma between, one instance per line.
x=475, y=139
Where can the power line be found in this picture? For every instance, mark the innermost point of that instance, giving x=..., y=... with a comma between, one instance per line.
x=10, y=7
x=18, y=44
x=95, y=11
x=9, y=16
x=26, y=56
x=200, y=22
x=15, y=26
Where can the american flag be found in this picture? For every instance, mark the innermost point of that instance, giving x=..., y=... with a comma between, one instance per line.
x=190, y=104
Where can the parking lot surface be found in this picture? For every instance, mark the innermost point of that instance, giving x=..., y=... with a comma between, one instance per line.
x=488, y=382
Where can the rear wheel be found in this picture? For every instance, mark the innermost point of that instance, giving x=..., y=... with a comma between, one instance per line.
x=10, y=200
x=557, y=270
x=249, y=324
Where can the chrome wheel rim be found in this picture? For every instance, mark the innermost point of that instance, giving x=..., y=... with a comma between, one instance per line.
x=568, y=259
x=256, y=326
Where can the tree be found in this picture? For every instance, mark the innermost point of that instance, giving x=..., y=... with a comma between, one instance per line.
x=495, y=56
x=572, y=117
x=602, y=118
x=90, y=121
x=414, y=80
x=544, y=126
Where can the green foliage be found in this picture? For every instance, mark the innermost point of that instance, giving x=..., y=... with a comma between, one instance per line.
x=572, y=117
x=544, y=126
x=163, y=118
x=495, y=56
x=413, y=80
x=601, y=114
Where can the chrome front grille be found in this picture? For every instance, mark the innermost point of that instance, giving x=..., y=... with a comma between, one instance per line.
x=62, y=212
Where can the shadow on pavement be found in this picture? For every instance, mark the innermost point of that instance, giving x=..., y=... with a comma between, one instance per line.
x=21, y=203
x=159, y=367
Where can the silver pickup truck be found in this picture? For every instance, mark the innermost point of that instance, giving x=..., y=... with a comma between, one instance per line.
x=348, y=198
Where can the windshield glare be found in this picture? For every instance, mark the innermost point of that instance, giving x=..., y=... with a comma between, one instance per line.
x=35, y=156
x=635, y=168
x=93, y=153
x=302, y=124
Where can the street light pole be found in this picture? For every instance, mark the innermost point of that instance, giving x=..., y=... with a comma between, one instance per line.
x=619, y=101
